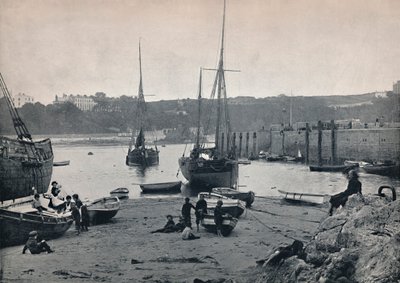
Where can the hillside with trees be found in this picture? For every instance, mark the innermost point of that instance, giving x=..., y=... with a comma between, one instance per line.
x=114, y=115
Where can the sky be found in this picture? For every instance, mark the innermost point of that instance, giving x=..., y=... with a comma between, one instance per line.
x=303, y=47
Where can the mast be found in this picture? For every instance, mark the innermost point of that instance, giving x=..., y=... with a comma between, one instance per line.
x=199, y=111
x=141, y=106
x=19, y=125
x=220, y=78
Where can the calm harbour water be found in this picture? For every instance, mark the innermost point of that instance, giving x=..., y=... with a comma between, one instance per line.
x=94, y=176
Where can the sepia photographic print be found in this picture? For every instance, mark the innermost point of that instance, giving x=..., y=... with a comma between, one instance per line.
x=218, y=141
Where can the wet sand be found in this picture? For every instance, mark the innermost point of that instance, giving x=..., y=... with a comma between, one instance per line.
x=124, y=250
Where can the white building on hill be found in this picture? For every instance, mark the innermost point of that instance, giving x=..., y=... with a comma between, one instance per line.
x=21, y=99
x=83, y=102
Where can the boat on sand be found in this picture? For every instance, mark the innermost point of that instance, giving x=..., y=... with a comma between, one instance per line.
x=61, y=163
x=103, y=209
x=234, y=207
x=304, y=197
x=228, y=224
x=247, y=197
x=121, y=193
x=19, y=218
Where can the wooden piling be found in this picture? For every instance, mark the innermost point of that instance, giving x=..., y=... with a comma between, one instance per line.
x=247, y=144
x=319, y=143
x=333, y=143
x=240, y=144
x=255, y=153
x=307, y=158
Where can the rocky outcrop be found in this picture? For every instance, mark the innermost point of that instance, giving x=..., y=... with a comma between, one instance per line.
x=359, y=243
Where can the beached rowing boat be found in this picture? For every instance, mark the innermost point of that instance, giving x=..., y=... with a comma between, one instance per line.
x=228, y=224
x=332, y=168
x=17, y=220
x=234, y=207
x=121, y=193
x=247, y=197
x=168, y=187
x=305, y=197
x=103, y=209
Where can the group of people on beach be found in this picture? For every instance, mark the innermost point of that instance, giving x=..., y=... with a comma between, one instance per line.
x=65, y=204
x=185, y=221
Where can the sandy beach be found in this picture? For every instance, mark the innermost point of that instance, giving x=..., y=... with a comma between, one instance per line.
x=124, y=250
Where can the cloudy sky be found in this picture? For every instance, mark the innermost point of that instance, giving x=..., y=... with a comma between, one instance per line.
x=307, y=47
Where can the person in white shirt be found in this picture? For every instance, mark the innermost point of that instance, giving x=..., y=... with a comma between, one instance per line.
x=188, y=235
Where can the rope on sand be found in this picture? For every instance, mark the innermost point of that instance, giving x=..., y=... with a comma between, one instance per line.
x=281, y=215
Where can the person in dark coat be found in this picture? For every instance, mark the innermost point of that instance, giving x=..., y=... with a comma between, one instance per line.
x=353, y=187
x=218, y=217
x=76, y=215
x=85, y=219
x=34, y=246
x=201, y=209
x=169, y=227
x=77, y=201
x=187, y=206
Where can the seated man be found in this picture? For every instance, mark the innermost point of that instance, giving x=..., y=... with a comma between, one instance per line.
x=36, y=203
x=35, y=247
x=188, y=235
x=168, y=227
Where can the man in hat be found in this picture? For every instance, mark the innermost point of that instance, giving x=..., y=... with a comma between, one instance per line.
x=34, y=246
x=201, y=209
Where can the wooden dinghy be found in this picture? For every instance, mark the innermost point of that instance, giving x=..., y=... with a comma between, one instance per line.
x=383, y=169
x=332, y=168
x=305, y=197
x=103, y=209
x=121, y=193
x=16, y=221
x=228, y=224
x=234, y=207
x=247, y=197
x=61, y=163
x=168, y=187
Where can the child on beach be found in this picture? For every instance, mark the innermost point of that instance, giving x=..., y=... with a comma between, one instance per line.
x=186, y=207
x=188, y=235
x=85, y=218
x=76, y=216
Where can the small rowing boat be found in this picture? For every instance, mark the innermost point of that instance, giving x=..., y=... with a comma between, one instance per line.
x=103, y=209
x=382, y=169
x=305, y=197
x=168, y=187
x=61, y=163
x=228, y=224
x=332, y=168
x=121, y=193
x=247, y=197
x=234, y=207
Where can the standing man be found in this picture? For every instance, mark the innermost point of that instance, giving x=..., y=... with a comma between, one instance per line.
x=218, y=219
x=201, y=209
x=187, y=206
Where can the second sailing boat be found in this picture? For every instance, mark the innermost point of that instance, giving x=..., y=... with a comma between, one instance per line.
x=215, y=166
x=138, y=153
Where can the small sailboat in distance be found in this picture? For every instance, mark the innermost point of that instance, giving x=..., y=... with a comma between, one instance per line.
x=138, y=153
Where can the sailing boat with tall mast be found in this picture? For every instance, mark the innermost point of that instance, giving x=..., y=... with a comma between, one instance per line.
x=138, y=153
x=214, y=166
x=24, y=164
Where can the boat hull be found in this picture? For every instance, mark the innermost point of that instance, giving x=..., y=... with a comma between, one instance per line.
x=247, y=197
x=228, y=224
x=384, y=170
x=121, y=193
x=233, y=207
x=102, y=210
x=170, y=187
x=15, y=226
x=209, y=173
x=308, y=198
x=332, y=168
x=18, y=173
x=138, y=157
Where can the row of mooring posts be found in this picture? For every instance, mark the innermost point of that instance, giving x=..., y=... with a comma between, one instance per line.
x=237, y=143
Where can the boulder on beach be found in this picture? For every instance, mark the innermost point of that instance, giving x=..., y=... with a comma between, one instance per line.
x=359, y=243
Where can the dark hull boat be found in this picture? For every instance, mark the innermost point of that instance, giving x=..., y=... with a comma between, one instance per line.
x=304, y=197
x=332, y=168
x=169, y=187
x=383, y=169
x=61, y=163
x=217, y=166
x=142, y=157
x=16, y=223
x=102, y=210
x=121, y=193
x=209, y=173
x=138, y=153
x=24, y=164
x=247, y=197
x=228, y=224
